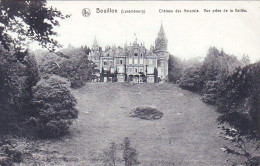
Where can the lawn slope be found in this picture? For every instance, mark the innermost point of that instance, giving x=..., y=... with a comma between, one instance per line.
x=186, y=135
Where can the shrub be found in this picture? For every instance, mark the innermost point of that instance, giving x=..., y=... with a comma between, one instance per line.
x=54, y=106
x=210, y=92
x=239, y=100
x=239, y=103
x=144, y=112
x=191, y=80
x=9, y=152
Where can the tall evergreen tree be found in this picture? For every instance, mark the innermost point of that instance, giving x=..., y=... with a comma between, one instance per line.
x=155, y=75
x=102, y=75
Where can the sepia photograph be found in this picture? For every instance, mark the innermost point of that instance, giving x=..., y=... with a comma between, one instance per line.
x=129, y=83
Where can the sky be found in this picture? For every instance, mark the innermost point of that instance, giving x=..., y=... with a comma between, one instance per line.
x=189, y=34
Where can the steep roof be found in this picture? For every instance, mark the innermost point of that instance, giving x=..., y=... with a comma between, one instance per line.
x=95, y=42
x=161, y=29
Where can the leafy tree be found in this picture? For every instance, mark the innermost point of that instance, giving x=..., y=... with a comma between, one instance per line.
x=12, y=83
x=216, y=67
x=28, y=20
x=239, y=100
x=239, y=103
x=175, y=69
x=16, y=81
x=72, y=64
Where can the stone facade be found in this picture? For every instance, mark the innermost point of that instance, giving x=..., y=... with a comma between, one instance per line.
x=133, y=63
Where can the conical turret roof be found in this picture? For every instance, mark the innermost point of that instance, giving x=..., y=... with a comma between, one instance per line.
x=95, y=42
x=95, y=45
x=161, y=33
x=161, y=29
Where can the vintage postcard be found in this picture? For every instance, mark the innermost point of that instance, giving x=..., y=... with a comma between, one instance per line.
x=127, y=83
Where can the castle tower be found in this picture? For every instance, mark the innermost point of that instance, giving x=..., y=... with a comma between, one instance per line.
x=161, y=51
x=161, y=41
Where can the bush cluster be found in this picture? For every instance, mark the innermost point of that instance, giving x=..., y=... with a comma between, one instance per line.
x=9, y=154
x=54, y=106
x=16, y=80
x=46, y=105
x=72, y=64
x=239, y=100
x=191, y=80
x=234, y=87
x=207, y=77
x=146, y=112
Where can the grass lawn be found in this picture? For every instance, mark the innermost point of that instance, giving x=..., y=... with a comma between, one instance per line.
x=187, y=134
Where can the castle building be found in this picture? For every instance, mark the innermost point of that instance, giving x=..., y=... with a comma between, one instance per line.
x=133, y=63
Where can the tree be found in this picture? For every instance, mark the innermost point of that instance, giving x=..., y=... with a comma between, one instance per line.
x=239, y=103
x=110, y=155
x=72, y=64
x=191, y=79
x=54, y=107
x=16, y=81
x=125, y=73
x=130, y=155
x=28, y=20
x=175, y=69
x=102, y=75
x=86, y=49
x=239, y=100
x=216, y=67
x=245, y=59
x=115, y=76
x=155, y=75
